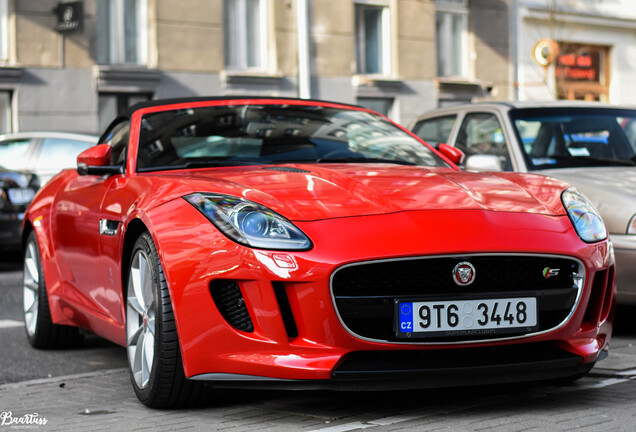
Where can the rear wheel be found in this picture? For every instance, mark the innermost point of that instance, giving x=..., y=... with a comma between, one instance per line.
x=40, y=330
x=154, y=356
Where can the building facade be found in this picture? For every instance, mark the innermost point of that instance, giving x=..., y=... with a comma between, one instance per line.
x=73, y=65
x=575, y=49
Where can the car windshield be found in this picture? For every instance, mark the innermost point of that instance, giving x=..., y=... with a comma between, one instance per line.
x=270, y=134
x=576, y=137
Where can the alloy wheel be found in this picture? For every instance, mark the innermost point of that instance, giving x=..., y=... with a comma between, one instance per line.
x=140, y=319
x=31, y=280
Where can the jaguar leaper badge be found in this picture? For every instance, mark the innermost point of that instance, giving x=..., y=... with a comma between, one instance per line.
x=464, y=273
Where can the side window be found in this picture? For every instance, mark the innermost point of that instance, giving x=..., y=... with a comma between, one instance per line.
x=118, y=140
x=481, y=133
x=13, y=153
x=435, y=131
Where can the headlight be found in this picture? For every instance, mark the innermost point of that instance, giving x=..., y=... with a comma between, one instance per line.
x=586, y=220
x=249, y=223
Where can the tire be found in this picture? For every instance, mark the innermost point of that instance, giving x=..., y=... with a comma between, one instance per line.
x=40, y=330
x=152, y=343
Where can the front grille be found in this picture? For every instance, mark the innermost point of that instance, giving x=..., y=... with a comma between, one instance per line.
x=365, y=293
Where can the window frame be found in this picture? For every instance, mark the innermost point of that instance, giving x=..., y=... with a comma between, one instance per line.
x=8, y=117
x=122, y=102
x=5, y=33
x=445, y=40
x=385, y=50
x=116, y=38
x=241, y=61
x=369, y=101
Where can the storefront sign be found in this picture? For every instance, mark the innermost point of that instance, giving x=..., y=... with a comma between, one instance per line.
x=578, y=63
x=69, y=17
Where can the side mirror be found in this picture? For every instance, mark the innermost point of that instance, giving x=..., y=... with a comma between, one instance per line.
x=454, y=154
x=481, y=162
x=96, y=161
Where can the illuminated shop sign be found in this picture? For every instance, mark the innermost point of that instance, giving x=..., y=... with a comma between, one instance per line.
x=578, y=63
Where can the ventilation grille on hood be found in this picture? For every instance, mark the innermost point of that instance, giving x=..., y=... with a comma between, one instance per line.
x=287, y=169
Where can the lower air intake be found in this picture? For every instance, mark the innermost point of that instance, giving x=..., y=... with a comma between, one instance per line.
x=229, y=300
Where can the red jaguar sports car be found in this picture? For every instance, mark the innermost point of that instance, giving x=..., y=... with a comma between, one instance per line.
x=248, y=241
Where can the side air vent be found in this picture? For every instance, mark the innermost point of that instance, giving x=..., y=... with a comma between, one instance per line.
x=229, y=300
x=287, y=169
x=285, y=309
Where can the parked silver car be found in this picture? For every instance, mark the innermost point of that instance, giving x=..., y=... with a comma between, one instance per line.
x=44, y=153
x=590, y=145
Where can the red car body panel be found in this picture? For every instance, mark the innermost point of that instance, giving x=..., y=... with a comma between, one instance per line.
x=351, y=212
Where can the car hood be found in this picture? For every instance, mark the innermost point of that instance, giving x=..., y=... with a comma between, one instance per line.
x=312, y=192
x=612, y=190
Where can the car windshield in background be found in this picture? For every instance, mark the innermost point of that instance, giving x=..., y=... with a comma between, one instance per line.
x=576, y=137
x=269, y=134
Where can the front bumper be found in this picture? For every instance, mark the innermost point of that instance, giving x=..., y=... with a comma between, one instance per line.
x=625, y=251
x=404, y=370
x=297, y=334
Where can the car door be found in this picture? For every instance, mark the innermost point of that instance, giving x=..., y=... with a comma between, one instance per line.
x=81, y=221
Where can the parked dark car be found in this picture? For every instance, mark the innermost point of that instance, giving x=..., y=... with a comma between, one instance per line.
x=17, y=189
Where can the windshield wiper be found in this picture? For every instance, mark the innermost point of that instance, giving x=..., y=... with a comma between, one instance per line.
x=364, y=160
x=204, y=163
x=220, y=163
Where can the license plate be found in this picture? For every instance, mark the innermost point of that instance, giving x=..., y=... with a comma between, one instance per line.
x=465, y=317
x=20, y=196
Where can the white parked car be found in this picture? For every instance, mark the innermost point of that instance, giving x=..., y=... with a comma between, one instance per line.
x=44, y=153
x=590, y=145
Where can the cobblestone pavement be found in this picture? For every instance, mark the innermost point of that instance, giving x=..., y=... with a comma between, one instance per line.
x=604, y=400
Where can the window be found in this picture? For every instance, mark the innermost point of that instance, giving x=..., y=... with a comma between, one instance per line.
x=481, y=134
x=13, y=153
x=581, y=72
x=112, y=104
x=436, y=130
x=56, y=154
x=245, y=34
x=383, y=106
x=372, y=39
x=4, y=30
x=118, y=140
x=122, y=33
x=6, y=117
x=451, y=28
x=568, y=138
x=240, y=134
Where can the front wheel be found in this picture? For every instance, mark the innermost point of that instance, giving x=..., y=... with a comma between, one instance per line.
x=154, y=356
x=40, y=330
